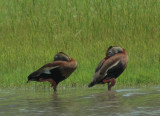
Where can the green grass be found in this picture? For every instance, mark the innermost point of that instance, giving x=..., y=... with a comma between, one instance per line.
x=33, y=31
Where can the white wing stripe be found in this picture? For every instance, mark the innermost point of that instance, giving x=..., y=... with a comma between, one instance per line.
x=48, y=69
x=111, y=67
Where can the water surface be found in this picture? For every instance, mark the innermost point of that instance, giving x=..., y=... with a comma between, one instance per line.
x=81, y=102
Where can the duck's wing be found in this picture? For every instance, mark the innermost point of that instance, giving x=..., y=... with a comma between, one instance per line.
x=114, y=70
x=46, y=69
x=115, y=66
x=68, y=67
x=99, y=65
x=110, y=64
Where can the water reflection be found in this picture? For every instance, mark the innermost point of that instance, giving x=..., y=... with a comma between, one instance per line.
x=71, y=102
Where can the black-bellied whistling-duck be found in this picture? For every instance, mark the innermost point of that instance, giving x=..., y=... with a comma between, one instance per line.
x=56, y=71
x=110, y=67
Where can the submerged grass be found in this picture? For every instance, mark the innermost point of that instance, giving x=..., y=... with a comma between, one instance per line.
x=32, y=31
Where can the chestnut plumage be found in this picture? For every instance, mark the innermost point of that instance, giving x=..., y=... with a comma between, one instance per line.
x=56, y=71
x=110, y=67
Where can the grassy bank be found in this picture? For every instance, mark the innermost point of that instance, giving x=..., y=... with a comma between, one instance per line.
x=32, y=31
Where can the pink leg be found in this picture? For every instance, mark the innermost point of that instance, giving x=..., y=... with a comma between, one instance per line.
x=109, y=88
x=112, y=80
x=53, y=83
x=106, y=81
x=42, y=80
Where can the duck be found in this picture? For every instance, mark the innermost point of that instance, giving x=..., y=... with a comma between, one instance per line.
x=56, y=71
x=111, y=67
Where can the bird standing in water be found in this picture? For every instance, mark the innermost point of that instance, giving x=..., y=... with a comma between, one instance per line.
x=110, y=67
x=56, y=71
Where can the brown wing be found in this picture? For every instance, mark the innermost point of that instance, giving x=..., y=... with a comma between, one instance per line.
x=110, y=63
x=65, y=67
x=99, y=65
x=47, y=67
x=69, y=67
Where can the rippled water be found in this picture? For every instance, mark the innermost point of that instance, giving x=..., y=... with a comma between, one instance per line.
x=81, y=102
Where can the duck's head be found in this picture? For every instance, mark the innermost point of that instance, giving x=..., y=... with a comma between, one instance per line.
x=61, y=56
x=112, y=50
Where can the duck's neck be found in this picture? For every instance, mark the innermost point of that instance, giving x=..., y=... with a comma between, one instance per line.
x=124, y=51
x=73, y=63
x=106, y=58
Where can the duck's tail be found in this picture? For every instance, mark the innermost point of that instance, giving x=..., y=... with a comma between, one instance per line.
x=91, y=84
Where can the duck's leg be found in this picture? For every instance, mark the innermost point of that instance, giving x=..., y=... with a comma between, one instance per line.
x=42, y=80
x=106, y=81
x=53, y=83
x=109, y=87
x=112, y=81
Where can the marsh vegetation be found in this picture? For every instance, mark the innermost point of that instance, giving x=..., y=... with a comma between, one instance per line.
x=33, y=31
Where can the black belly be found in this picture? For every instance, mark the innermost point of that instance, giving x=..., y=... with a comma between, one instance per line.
x=115, y=71
x=55, y=75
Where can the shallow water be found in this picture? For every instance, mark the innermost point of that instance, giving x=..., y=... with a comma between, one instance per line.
x=81, y=102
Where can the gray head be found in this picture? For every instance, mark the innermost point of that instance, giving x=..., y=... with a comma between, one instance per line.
x=112, y=50
x=61, y=57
